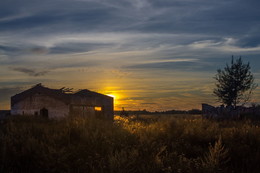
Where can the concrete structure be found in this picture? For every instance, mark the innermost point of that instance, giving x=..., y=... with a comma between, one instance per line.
x=230, y=112
x=57, y=103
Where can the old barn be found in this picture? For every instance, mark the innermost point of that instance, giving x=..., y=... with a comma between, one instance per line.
x=57, y=103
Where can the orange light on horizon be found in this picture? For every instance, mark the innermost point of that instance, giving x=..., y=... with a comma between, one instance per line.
x=111, y=95
x=115, y=96
x=118, y=94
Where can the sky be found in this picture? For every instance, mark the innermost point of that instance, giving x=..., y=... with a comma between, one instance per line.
x=148, y=54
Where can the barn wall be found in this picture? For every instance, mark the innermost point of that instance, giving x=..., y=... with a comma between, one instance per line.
x=34, y=103
x=108, y=108
x=107, y=104
x=85, y=111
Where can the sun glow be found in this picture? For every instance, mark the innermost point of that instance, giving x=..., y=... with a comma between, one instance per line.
x=111, y=95
x=116, y=97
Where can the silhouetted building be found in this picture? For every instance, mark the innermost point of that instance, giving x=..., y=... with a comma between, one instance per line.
x=57, y=103
x=230, y=112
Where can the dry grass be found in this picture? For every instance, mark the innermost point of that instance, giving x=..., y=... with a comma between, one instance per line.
x=133, y=144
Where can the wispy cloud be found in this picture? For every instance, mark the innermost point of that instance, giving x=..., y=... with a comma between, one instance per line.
x=30, y=72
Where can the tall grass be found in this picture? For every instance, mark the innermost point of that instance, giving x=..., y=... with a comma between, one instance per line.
x=133, y=144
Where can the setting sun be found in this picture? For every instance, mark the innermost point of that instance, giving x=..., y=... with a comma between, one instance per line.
x=111, y=95
x=116, y=97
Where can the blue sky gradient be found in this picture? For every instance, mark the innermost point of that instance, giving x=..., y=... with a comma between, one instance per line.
x=150, y=54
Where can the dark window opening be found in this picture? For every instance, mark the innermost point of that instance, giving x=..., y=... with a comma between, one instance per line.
x=36, y=113
x=44, y=112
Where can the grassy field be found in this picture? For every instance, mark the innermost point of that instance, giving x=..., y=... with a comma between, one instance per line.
x=147, y=143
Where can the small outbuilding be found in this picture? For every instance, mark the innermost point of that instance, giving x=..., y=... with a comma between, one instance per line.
x=57, y=103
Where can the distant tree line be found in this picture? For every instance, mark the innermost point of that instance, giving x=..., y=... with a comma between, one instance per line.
x=144, y=111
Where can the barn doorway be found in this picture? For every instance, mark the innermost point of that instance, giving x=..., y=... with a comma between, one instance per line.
x=44, y=112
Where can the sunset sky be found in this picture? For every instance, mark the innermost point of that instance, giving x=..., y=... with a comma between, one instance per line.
x=149, y=54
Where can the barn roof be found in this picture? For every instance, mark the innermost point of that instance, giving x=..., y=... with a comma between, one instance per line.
x=55, y=93
x=40, y=89
x=88, y=93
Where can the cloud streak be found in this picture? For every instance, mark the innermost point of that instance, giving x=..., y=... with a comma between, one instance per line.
x=30, y=72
